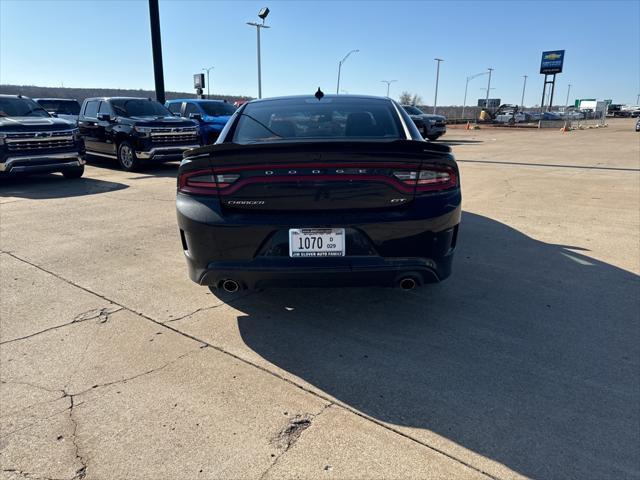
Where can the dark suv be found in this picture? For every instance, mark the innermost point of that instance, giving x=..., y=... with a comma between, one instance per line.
x=430, y=126
x=32, y=141
x=133, y=130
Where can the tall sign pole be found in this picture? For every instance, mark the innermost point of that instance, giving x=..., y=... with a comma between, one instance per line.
x=154, y=18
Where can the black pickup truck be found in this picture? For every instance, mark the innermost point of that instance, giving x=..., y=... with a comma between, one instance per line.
x=133, y=130
x=32, y=141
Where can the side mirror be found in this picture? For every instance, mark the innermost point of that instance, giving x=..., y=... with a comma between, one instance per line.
x=104, y=117
x=195, y=116
x=53, y=114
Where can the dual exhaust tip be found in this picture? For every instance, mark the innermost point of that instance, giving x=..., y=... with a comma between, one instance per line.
x=407, y=283
x=231, y=286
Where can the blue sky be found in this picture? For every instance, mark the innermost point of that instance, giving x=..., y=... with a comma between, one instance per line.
x=107, y=44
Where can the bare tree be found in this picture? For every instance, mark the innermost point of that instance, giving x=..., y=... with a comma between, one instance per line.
x=405, y=98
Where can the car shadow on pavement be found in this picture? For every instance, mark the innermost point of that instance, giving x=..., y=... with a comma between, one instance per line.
x=54, y=186
x=148, y=170
x=528, y=355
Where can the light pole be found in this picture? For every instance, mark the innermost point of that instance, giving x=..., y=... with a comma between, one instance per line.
x=263, y=15
x=524, y=86
x=466, y=87
x=566, y=103
x=340, y=67
x=638, y=99
x=435, y=100
x=486, y=101
x=207, y=69
x=388, y=82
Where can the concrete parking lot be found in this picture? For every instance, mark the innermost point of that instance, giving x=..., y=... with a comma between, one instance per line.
x=114, y=365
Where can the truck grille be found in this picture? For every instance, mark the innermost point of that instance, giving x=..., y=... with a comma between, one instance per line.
x=174, y=135
x=46, y=140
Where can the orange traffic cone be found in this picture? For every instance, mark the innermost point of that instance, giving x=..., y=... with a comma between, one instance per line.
x=468, y=127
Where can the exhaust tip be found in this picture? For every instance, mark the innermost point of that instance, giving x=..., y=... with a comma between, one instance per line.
x=408, y=283
x=230, y=286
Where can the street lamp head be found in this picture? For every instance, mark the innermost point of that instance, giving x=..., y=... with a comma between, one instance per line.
x=263, y=13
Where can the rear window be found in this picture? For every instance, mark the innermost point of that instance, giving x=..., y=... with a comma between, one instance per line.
x=332, y=118
x=63, y=107
x=217, y=109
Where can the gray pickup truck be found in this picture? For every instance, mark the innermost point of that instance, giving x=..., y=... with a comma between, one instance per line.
x=32, y=141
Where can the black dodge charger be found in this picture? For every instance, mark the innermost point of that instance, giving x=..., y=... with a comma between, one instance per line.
x=335, y=190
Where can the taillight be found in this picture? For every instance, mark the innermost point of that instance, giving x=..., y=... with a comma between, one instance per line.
x=428, y=179
x=204, y=182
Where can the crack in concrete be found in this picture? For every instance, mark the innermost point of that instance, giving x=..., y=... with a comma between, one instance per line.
x=101, y=313
x=82, y=471
x=204, y=309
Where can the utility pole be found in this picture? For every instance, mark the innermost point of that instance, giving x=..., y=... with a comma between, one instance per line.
x=466, y=87
x=435, y=100
x=263, y=15
x=524, y=86
x=156, y=45
x=206, y=69
x=566, y=103
x=340, y=68
x=486, y=104
x=388, y=82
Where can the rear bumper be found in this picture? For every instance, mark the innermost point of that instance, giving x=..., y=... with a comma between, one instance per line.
x=381, y=247
x=286, y=272
x=44, y=163
x=165, y=153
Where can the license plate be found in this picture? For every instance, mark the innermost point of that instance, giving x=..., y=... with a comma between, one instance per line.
x=316, y=242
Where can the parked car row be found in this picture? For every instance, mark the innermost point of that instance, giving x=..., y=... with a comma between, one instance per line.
x=55, y=135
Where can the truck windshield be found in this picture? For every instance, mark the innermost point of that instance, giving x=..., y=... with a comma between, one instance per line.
x=217, y=109
x=138, y=107
x=331, y=118
x=20, y=107
x=64, y=107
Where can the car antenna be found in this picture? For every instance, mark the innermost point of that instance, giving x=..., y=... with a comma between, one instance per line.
x=319, y=94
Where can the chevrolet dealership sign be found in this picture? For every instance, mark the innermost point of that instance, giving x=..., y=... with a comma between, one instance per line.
x=552, y=62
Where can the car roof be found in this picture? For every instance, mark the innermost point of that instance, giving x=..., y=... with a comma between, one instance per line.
x=119, y=98
x=196, y=100
x=6, y=95
x=327, y=96
x=56, y=99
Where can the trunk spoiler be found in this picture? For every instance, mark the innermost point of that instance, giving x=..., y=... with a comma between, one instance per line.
x=402, y=147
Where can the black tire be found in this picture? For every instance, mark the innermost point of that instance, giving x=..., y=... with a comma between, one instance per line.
x=433, y=137
x=127, y=157
x=74, y=172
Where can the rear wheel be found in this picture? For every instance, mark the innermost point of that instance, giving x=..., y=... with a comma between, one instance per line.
x=127, y=157
x=74, y=172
